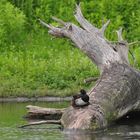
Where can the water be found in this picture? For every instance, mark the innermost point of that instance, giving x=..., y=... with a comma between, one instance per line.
x=11, y=117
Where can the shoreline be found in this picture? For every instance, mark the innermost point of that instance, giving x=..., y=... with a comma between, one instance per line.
x=34, y=99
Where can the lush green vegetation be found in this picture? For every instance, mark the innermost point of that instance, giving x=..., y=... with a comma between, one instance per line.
x=32, y=63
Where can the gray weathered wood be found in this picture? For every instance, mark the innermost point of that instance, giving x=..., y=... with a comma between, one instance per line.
x=35, y=112
x=41, y=122
x=117, y=91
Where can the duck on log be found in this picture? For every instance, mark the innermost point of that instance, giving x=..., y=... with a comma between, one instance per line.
x=117, y=91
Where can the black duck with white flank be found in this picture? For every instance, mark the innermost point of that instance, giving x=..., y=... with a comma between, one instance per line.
x=81, y=99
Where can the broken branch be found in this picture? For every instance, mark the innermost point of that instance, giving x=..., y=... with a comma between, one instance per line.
x=90, y=79
x=42, y=122
x=59, y=20
x=133, y=43
x=104, y=27
x=83, y=22
x=119, y=33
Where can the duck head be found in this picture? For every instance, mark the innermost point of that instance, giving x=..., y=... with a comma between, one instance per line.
x=82, y=91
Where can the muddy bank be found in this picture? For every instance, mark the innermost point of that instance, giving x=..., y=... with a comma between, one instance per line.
x=35, y=99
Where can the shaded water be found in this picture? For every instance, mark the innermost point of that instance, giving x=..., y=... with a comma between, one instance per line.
x=11, y=117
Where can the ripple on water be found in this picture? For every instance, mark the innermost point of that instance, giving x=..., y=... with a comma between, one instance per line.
x=8, y=133
x=11, y=117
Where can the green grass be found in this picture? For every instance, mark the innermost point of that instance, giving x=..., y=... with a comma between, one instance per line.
x=43, y=67
x=46, y=66
x=32, y=63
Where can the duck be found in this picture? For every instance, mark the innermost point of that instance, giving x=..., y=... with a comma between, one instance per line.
x=80, y=100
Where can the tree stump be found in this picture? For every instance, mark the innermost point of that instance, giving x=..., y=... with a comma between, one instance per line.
x=117, y=91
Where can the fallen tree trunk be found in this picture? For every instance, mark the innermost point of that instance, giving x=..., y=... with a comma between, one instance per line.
x=35, y=112
x=117, y=91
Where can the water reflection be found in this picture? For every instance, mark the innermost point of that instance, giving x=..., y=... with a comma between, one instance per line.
x=120, y=132
x=11, y=117
x=78, y=135
x=127, y=128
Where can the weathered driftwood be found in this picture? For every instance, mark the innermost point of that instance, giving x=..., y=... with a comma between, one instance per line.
x=35, y=112
x=41, y=122
x=117, y=91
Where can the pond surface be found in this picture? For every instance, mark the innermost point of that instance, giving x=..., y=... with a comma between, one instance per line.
x=11, y=116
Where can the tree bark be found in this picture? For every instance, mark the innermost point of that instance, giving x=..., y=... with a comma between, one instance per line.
x=117, y=91
x=35, y=112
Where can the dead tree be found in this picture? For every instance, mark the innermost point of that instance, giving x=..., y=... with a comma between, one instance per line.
x=117, y=91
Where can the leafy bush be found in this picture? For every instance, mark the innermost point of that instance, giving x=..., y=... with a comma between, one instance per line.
x=33, y=63
x=12, y=22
